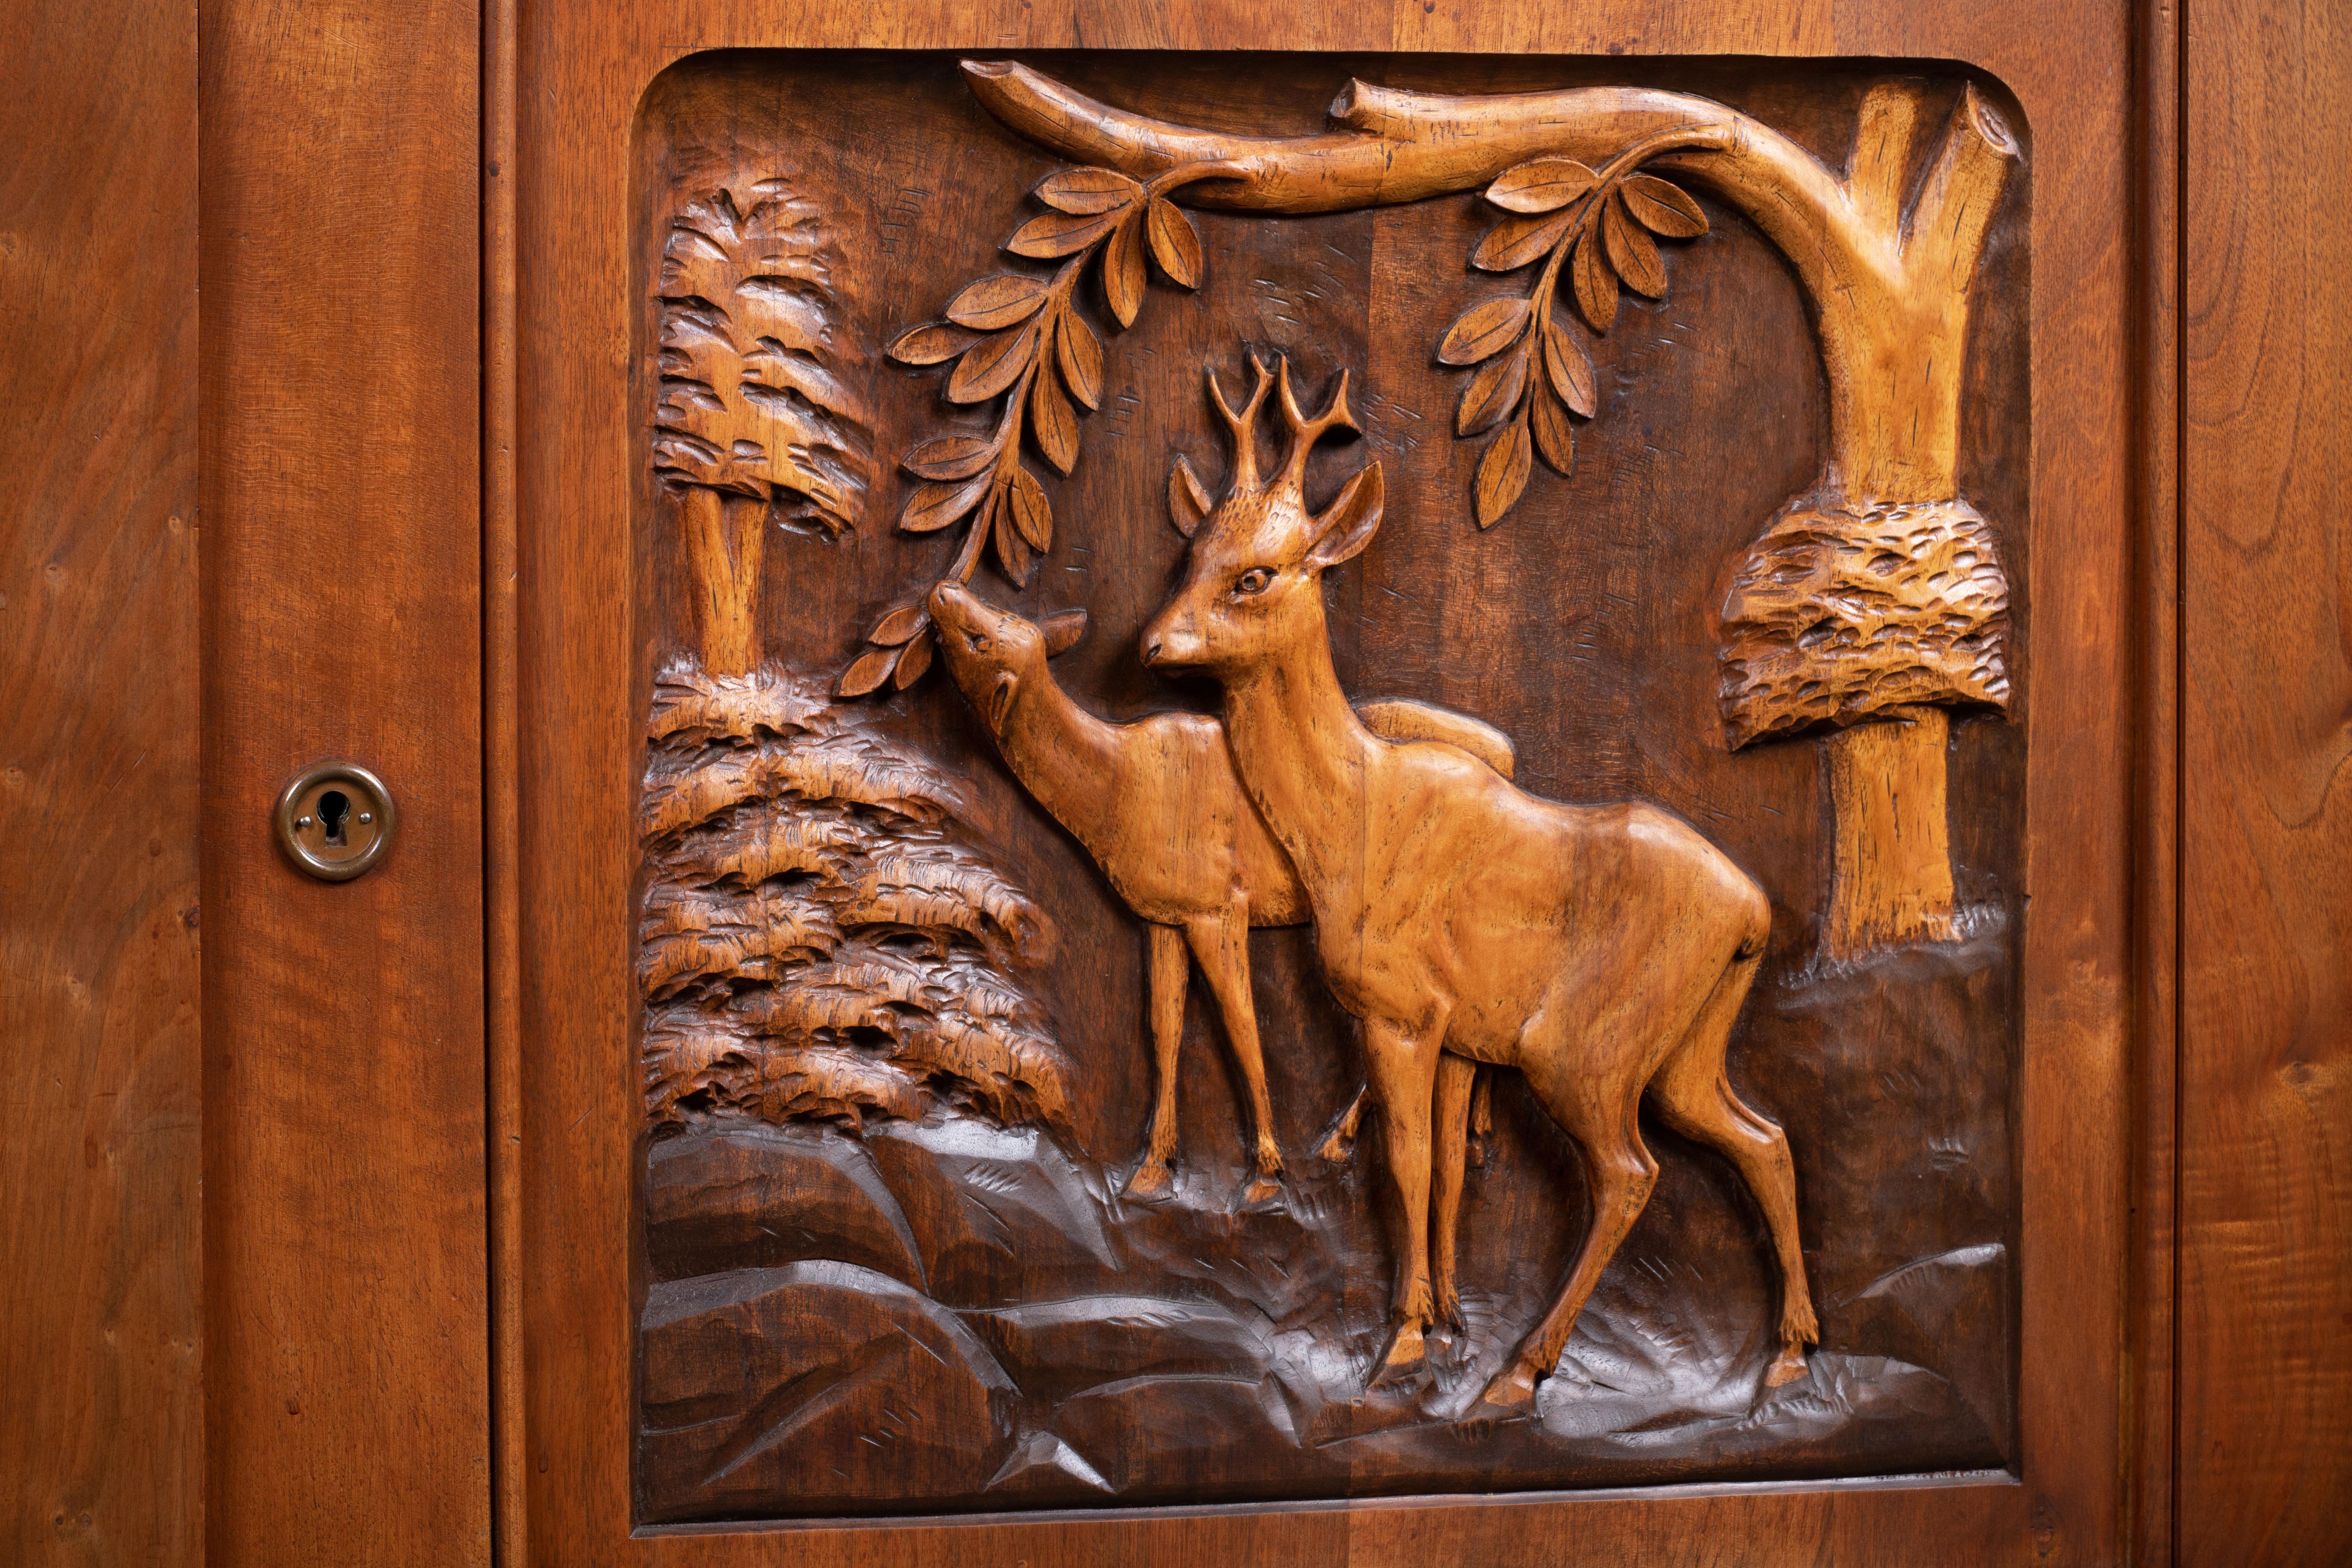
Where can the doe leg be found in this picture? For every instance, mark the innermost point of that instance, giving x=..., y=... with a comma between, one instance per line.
x=1450, y=1120
x=1403, y=1074
x=1340, y=1142
x=1222, y=944
x=1166, y=976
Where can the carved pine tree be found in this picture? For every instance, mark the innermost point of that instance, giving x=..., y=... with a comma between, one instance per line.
x=820, y=937
x=752, y=419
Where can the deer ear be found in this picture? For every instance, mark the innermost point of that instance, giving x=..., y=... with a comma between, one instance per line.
x=1188, y=503
x=1063, y=631
x=1349, y=523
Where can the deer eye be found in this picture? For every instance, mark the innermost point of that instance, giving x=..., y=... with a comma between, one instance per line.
x=976, y=641
x=1257, y=580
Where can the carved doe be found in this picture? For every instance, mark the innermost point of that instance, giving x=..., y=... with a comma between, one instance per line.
x=1602, y=950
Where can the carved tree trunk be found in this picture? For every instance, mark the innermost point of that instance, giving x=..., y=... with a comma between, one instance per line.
x=1872, y=602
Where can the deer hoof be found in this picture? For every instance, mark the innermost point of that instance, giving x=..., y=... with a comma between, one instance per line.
x=1336, y=1149
x=1149, y=1183
x=1510, y=1396
x=1263, y=1192
x=1787, y=1367
x=1405, y=1359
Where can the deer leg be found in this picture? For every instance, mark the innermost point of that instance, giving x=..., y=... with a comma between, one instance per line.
x=1694, y=1098
x=1403, y=1078
x=1622, y=1174
x=1452, y=1127
x=1340, y=1142
x=1167, y=977
x=1221, y=942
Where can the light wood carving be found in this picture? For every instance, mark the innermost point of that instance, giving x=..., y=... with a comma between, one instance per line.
x=1158, y=805
x=1603, y=951
x=751, y=421
x=1887, y=265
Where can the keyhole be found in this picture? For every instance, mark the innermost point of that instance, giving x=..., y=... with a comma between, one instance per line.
x=333, y=807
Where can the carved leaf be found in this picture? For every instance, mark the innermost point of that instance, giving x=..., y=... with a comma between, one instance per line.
x=869, y=672
x=1012, y=553
x=1482, y=331
x=1554, y=436
x=1081, y=355
x=1493, y=393
x=1122, y=269
x=1032, y=515
x=933, y=344
x=1516, y=241
x=1632, y=252
x=1540, y=184
x=1063, y=629
x=994, y=365
x=934, y=506
x=916, y=659
x=1053, y=420
x=997, y=302
x=1188, y=503
x=1057, y=234
x=1175, y=244
x=1596, y=288
x=1570, y=367
x=1088, y=191
x=899, y=626
x=1663, y=207
x=949, y=457
x=1503, y=473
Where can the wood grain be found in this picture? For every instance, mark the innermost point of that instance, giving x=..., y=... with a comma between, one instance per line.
x=101, y=1441
x=580, y=77
x=347, y=1371
x=2265, y=1088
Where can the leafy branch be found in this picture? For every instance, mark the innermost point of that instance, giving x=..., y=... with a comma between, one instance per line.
x=1019, y=337
x=1598, y=226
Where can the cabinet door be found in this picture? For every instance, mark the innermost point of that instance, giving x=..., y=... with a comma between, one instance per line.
x=1374, y=786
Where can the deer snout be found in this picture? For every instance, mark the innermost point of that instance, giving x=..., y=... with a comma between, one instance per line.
x=1170, y=637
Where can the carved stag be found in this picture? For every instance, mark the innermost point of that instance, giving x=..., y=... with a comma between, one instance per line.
x=1602, y=950
x=1158, y=805
x=1868, y=606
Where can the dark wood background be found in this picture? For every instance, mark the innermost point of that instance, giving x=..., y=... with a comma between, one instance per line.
x=2224, y=490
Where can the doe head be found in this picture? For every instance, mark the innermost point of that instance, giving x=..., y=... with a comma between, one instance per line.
x=1251, y=584
x=993, y=655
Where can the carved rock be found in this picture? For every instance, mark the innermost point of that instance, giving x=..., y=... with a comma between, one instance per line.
x=1057, y=1348
x=1000, y=1216
x=724, y=1198
x=1153, y=1438
x=815, y=1388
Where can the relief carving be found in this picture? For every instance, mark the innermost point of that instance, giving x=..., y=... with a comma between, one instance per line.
x=921, y=1231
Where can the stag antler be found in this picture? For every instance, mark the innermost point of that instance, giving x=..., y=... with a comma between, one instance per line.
x=1305, y=432
x=1244, y=423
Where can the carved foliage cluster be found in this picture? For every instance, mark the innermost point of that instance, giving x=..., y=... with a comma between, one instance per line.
x=747, y=405
x=1602, y=228
x=820, y=938
x=1837, y=614
x=1020, y=337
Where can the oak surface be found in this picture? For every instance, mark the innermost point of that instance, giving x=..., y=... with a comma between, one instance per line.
x=100, y=1421
x=347, y=1374
x=582, y=75
x=2263, y=1448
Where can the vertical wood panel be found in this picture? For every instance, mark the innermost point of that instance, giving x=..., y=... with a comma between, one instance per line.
x=347, y=1372
x=101, y=1415
x=2266, y=1154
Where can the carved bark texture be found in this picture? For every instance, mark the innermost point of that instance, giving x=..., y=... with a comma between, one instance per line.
x=1837, y=616
x=750, y=405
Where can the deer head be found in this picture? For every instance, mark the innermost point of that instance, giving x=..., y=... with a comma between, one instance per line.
x=994, y=655
x=1252, y=583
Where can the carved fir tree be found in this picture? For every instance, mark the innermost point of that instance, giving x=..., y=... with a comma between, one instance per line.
x=751, y=419
x=1869, y=606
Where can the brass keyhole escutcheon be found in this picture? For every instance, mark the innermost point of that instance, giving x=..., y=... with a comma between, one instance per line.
x=335, y=819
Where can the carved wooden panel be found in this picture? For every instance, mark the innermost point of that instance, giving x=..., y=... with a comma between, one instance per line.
x=1332, y=789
